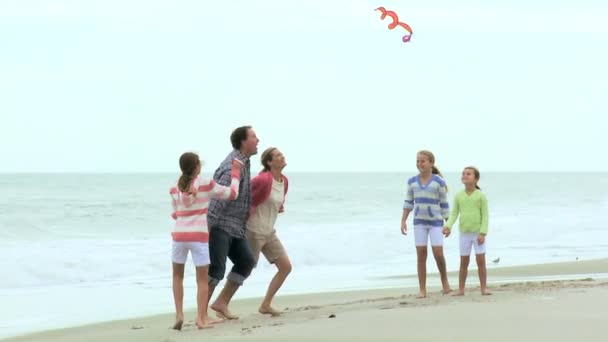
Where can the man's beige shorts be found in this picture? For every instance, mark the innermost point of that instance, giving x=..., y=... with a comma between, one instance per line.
x=269, y=245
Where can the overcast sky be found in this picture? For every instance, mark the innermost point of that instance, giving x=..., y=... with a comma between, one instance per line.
x=127, y=86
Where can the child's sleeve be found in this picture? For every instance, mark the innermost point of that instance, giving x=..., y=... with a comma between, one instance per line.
x=408, y=203
x=443, y=202
x=230, y=192
x=484, y=215
x=454, y=213
x=173, y=193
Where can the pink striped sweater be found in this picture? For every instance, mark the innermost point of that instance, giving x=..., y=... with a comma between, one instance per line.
x=190, y=210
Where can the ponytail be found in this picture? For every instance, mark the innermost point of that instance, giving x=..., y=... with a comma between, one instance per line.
x=436, y=171
x=188, y=163
x=184, y=183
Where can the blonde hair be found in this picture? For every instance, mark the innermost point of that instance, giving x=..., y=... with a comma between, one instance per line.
x=431, y=157
x=267, y=158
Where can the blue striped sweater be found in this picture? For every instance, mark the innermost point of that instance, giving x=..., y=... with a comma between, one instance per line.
x=429, y=202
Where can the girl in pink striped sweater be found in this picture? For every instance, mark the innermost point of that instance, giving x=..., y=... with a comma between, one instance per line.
x=190, y=199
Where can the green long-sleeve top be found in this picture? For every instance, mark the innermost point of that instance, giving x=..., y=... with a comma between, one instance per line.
x=473, y=211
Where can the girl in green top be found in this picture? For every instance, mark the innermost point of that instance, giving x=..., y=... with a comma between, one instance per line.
x=472, y=206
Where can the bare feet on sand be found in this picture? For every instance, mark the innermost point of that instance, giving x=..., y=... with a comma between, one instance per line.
x=207, y=323
x=179, y=321
x=446, y=291
x=222, y=311
x=458, y=293
x=421, y=294
x=268, y=310
x=485, y=292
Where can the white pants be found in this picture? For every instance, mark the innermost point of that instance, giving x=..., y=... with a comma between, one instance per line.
x=199, y=251
x=469, y=240
x=422, y=233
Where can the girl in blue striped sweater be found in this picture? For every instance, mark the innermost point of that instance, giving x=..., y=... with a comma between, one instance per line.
x=427, y=197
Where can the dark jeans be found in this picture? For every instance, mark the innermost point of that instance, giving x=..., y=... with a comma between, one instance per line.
x=222, y=245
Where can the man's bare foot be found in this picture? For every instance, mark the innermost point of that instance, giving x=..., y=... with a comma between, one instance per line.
x=458, y=293
x=222, y=311
x=421, y=294
x=485, y=292
x=178, y=325
x=446, y=291
x=268, y=310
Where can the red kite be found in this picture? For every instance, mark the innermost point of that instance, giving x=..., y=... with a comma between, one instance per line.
x=395, y=23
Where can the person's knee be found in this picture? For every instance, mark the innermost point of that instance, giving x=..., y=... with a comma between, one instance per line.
x=247, y=265
x=202, y=282
x=178, y=272
x=438, y=253
x=422, y=252
x=284, y=266
x=202, y=276
x=464, y=260
x=215, y=275
x=241, y=270
x=287, y=268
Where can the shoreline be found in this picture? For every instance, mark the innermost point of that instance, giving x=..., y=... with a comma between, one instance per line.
x=511, y=283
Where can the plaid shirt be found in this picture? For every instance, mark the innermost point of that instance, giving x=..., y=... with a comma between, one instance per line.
x=231, y=216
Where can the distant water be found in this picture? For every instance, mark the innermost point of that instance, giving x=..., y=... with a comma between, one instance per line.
x=80, y=248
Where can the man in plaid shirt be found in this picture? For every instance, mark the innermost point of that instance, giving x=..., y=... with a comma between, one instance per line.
x=227, y=221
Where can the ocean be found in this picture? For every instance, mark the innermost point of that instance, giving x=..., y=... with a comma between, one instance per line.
x=83, y=248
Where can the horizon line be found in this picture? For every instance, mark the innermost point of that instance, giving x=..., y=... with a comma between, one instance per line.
x=292, y=172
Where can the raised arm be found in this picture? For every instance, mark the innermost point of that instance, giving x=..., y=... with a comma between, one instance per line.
x=226, y=192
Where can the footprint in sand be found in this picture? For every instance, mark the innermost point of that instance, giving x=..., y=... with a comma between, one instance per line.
x=306, y=308
x=246, y=331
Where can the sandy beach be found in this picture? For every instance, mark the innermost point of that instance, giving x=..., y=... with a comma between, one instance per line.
x=551, y=302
